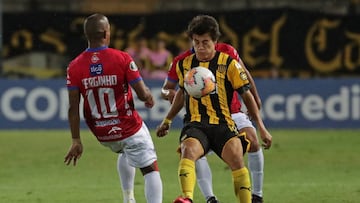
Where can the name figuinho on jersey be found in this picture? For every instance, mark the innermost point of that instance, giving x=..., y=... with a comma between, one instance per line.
x=102, y=80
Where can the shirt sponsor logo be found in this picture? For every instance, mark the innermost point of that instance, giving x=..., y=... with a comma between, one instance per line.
x=114, y=129
x=104, y=123
x=96, y=69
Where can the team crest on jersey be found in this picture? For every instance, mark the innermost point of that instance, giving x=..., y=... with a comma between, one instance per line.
x=243, y=76
x=221, y=68
x=133, y=66
x=94, y=58
x=96, y=69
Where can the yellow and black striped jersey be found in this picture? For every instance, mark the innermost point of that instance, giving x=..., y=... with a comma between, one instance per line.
x=215, y=107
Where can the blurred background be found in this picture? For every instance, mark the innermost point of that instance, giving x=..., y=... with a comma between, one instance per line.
x=304, y=54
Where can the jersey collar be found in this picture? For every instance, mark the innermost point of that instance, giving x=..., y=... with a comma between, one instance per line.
x=96, y=49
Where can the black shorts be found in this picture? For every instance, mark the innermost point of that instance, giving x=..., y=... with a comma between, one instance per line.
x=213, y=137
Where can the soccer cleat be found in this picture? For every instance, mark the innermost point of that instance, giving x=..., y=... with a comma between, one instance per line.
x=182, y=200
x=256, y=199
x=212, y=200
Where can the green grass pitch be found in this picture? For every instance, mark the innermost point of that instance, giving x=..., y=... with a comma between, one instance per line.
x=302, y=166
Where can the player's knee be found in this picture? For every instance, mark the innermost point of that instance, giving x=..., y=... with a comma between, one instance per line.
x=148, y=169
x=252, y=137
x=191, y=149
x=232, y=155
x=254, y=146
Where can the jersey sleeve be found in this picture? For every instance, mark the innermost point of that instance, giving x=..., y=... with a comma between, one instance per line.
x=233, y=53
x=172, y=76
x=71, y=78
x=132, y=72
x=180, y=76
x=237, y=77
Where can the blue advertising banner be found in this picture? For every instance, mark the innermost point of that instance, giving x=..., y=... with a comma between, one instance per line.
x=287, y=103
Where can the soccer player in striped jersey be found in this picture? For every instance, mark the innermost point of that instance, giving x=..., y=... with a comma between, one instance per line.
x=255, y=154
x=103, y=77
x=210, y=124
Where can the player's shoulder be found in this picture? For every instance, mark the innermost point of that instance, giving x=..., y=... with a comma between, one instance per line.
x=118, y=52
x=222, y=45
x=119, y=56
x=228, y=49
x=183, y=55
x=77, y=60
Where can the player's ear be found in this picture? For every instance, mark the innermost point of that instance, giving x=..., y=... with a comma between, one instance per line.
x=104, y=35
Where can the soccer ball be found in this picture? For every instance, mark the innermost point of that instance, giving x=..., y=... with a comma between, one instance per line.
x=199, y=82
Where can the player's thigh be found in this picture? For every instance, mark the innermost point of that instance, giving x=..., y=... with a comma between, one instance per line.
x=244, y=125
x=250, y=134
x=232, y=154
x=139, y=149
x=242, y=121
x=194, y=140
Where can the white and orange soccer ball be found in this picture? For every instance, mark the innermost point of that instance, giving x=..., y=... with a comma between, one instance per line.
x=199, y=82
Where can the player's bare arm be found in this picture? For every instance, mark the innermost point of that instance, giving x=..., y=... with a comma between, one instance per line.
x=143, y=93
x=253, y=89
x=249, y=101
x=175, y=108
x=76, y=148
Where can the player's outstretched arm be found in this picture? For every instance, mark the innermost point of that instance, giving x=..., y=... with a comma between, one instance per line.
x=175, y=108
x=143, y=93
x=254, y=112
x=76, y=148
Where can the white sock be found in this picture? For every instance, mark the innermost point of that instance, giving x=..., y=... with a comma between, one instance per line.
x=153, y=187
x=204, y=177
x=127, y=177
x=256, y=167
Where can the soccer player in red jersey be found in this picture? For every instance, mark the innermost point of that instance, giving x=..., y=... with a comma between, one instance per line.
x=255, y=154
x=203, y=31
x=103, y=76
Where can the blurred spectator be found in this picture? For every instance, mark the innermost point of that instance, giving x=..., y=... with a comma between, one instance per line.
x=183, y=43
x=139, y=51
x=158, y=61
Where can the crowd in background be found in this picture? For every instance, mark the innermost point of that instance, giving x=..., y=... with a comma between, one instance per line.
x=151, y=56
x=43, y=51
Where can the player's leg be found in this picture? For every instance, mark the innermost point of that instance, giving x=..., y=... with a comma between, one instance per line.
x=140, y=153
x=153, y=184
x=127, y=177
x=255, y=164
x=204, y=179
x=240, y=175
x=255, y=155
x=191, y=151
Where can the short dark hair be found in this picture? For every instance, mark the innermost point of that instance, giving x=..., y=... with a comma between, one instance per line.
x=203, y=24
x=94, y=26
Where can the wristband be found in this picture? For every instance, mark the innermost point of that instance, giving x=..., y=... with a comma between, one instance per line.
x=165, y=91
x=167, y=121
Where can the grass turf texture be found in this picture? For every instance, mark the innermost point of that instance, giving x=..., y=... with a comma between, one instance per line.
x=302, y=166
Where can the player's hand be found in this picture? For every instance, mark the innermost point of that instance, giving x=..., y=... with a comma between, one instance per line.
x=149, y=103
x=266, y=138
x=163, y=128
x=74, y=153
